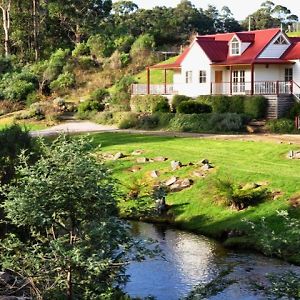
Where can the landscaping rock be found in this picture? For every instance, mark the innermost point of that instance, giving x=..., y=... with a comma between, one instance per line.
x=185, y=183
x=137, y=152
x=118, y=155
x=250, y=186
x=181, y=185
x=154, y=174
x=107, y=156
x=134, y=169
x=295, y=201
x=251, y=129
x=191, y=164
x=204, y=161
x=294, y=154
x=206, y=167
x=175, y=165
x=142, y=160
x=175, y=187
x=171, y=181
x=160, y=158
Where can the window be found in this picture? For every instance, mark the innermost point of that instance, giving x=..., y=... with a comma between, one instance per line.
x=288, y=74
x=235, y=47
x=238, y=81
x=202, y=76
x=188, y=77
x=281, y=41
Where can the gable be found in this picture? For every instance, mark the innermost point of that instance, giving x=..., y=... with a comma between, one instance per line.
x=195, y=58
x=277, y=47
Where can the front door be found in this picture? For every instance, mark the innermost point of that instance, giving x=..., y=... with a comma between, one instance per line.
x=218, y=82
x=238, y=81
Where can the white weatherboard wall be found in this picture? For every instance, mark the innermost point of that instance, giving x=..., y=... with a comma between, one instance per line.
x=272, y=73
x=195, y=61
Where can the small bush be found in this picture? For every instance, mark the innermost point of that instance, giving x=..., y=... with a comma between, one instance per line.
x=64, y=81
x=18, y=90
x=144, y=42
x=128, y=120
x=99, y=95
x=294, y=111
x=240, y=197
x=164, y=119
x=281, y=126
x=177, y=99
x=32, y=98
x=145, y=103
x=7, y=106
x=147, y=122
x=220, y=104
x=86, y=107
x=104, y=117
x=228, y=122
x=193, y=107
x=81, y=49
x=236, y=104
x=162, y=106
x=86, y=63
x=256, y=106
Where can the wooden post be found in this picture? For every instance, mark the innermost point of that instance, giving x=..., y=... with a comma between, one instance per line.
x=291, y=87
x=165, y=81
x=211, y=88
x=252, y=79
x=277, y=87
x=148, y=80
x=230, y=80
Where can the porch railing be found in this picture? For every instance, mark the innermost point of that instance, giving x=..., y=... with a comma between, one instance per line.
x=258, y=88
x=153, y=89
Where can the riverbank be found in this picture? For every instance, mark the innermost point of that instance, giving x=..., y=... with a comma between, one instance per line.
x=197, y=208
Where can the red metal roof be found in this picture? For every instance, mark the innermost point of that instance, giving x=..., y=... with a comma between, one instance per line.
x=217, y=49
x=293, y=52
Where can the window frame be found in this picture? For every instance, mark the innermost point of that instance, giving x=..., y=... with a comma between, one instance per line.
x=188, y=77
x=288, y=74
x=235, y=47
x=202, y=76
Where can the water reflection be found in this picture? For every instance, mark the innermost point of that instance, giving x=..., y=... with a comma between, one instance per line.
x=190, y=260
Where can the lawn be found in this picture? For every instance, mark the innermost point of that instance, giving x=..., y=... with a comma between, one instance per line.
x=157, y=76
x=29, y=124
x=294, y=34
x=197, y=208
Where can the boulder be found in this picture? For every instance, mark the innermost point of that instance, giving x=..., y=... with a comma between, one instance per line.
x=199, y=173
x=206, y=167
x=118, y=155
x=294, y=154
x=204, y=161
x=142, y=160
x=171, y=181
x=137, y=152
x=251, y=129
x=181, y=185
x=134, y=169
x=185, y=183
x=160, y=158
x=175, y=165
x=154, y=174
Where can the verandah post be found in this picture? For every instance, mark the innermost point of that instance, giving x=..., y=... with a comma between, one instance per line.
x=230, y=80
x=252, y=79
x=165, y=70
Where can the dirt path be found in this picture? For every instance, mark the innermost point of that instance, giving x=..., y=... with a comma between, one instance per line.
x=87, y=126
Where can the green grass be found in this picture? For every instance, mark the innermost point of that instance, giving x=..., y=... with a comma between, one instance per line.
x=294, y=34
x=196, y=208
x=157, y=76
x=31, y=125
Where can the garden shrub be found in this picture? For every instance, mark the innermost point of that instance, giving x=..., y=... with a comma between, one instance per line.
x=145, y=103
x=120, y=101
x=18, y=90
x=220, y=104
x=227, y=122
x=256, y=106
x=164, y=119
x=31, y=98
x=177, y=99
x=294, y=111
x=236, y=104
x=84, y=108
x=147, y=122
x=99, y=95
x=162, y=106
x=104, y=117
x=63, y=81
x=281, y=126
x=7, y=106
x=241, y=196
x=193, y=107
x=127, y=120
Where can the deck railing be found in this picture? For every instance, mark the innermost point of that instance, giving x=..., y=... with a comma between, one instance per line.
x=224, y=88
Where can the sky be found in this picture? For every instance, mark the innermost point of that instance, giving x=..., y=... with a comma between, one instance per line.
x=239, y=8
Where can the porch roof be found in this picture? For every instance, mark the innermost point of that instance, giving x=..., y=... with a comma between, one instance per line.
x=271, y=61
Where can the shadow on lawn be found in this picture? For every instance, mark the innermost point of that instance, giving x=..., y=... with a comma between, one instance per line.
x=112, y=139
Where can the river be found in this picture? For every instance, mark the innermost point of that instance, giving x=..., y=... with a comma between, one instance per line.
x=190, y=260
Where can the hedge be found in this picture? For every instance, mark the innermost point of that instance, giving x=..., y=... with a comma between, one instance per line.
x=193, y=107
x=146, y=104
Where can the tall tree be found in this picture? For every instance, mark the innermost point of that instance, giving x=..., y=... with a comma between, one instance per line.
x=5, y=6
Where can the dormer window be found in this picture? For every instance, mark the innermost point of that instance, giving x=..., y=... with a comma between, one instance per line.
x=281, y=41
x=235, y=47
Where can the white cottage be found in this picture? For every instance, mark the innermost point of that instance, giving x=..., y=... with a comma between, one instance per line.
x=260, y=62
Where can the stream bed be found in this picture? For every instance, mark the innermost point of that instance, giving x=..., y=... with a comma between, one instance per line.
x=190, y=260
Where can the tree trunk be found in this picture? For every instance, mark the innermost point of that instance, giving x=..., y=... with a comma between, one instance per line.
x=6, y=26
x=35, y=16
x=77, y=34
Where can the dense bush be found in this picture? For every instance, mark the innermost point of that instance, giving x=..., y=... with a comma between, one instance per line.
x=99, y=95
x=5, y=65
x=144, y=42
x=281, y=126
x=18, y=90
x=100, y=46
x=104, y=117
x=148, y=122
x=177, y=99
x=81, y=49
x=294, y=111
x=256, y=106
x=63, y=81
x=88, y=106
x=193, y=107
x=7, y=106
x=162, y=106
x=236, y=104
x=145, y=103
x=207, y=122
x=127, y=120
